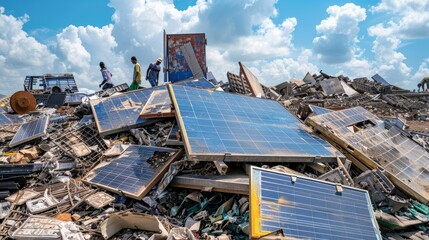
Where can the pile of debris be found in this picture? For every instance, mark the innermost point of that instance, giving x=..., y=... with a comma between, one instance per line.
x=189, y=160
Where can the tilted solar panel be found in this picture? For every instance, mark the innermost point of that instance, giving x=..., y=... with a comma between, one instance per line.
x=30, y=131
x=198, y=83
x=222, y=126
x=380, y=79
x=134, y=172
x=6, y=119
x=118, y=113
x=319, y=110
x=306, y=208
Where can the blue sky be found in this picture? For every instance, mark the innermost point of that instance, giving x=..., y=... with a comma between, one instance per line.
x=278, y=40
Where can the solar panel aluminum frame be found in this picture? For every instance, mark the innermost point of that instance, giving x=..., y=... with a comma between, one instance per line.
x=255, y=202
x=45, y=127
x=123, y=127
x=144, y=190
x=229, y=157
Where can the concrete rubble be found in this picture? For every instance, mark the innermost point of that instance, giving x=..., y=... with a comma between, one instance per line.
x=177, y=161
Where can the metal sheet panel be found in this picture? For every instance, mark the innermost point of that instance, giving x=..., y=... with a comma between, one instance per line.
x=178, y=68
x=135, y=172
x=306, y=208
x=223, y=126
x=118, y=113
x=30, y=131
x=365, y=137
x=252, y=80
x=191, y=60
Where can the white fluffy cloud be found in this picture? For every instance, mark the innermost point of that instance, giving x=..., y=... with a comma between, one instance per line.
x=339, y=39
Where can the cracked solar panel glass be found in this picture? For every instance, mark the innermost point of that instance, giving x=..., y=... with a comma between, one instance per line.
x=405, y=161
x=319, y=110
x=6, y=119
x=158, y=105
x=130, y=173
x=30, y=131
x=308, y=208
x=380, y=79
x=215, y=124
x=74, y=98
x=117, y=113
x=199, y=83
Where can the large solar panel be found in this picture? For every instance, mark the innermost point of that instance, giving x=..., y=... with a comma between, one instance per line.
x=306, y=208
x=30, y=131
x=319, y=110
x=380, y=79
x=158, y=105
x=6, y=119
x=231, y=127
x=198, y=83
x=365, y=136
x=132, y=173
x=118, y=113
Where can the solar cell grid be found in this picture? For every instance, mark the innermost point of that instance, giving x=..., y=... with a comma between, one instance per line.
x=30, y=131
x=308, y=208
x=319, y=110
x=6, y=119
x=199, y=83
x=130, y=173
x=214, y=123
x=118, y=113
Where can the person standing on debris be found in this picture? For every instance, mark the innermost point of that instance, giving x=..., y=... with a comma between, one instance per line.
x=152, y=73
x=137, y=76
x=107, y=77
x=422, y=83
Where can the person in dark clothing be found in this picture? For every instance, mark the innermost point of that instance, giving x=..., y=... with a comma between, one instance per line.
x=107, y=77
x=152, y=72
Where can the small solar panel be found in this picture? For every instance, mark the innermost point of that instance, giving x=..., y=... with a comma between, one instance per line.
x=305, y=208
x=231, y=127
x=198, y=83
x=56, y=100
x=158, y=105
x=6, y=119
x=74, y=98
x=319, y=110
x=131, y=173
x=332, y=86
x=380, y=79
x=30, y=131
x=118, y=113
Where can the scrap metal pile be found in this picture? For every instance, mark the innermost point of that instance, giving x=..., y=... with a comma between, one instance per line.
x=320, y=158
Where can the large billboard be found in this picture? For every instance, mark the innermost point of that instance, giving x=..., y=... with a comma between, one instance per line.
x=180, y=64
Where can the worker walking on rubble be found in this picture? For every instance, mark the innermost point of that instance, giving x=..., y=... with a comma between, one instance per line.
x=152, y=72
x=107, y=77
x=422, y=83
x=137, y=75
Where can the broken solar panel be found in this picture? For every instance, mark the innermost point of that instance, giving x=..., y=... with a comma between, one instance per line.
x=6, y=119
x=30, y=131
x=174, y=137
x=305, y=208
x=364, y=135
x=134, y=172
x=380, y=79
x=221, y=126
x=158, y=105
x=252, y=80
x=319, y=110
x=118, y=113
x=198, y=83
x=332, y=86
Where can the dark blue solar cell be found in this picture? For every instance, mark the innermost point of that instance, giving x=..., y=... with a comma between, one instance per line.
x=130, y=172
x=6, y=119
x=198, y=83
x=218, y=123
x=117, y=113
x=30, y=131
x=310, y=209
